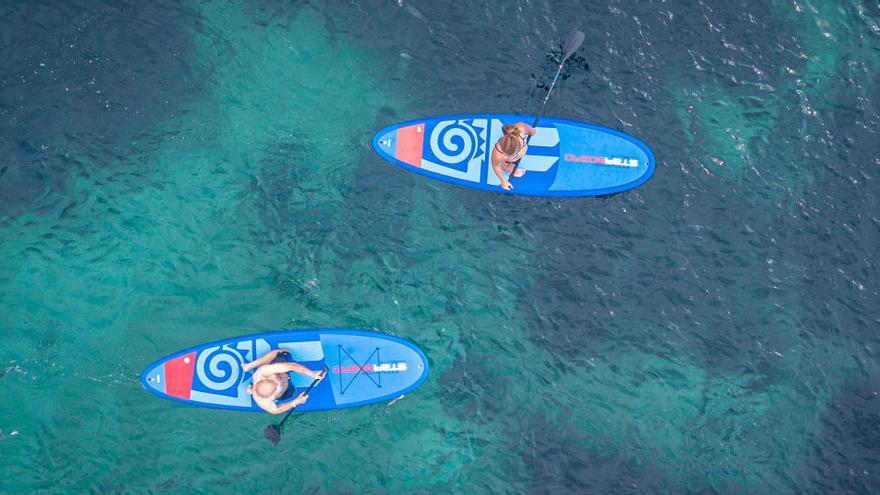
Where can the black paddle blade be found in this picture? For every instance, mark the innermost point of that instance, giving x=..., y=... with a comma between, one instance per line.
x=574, y=41
x=273, y=434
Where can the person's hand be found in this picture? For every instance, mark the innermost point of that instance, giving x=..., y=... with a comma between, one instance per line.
x=301, y=399
x=506, y=185
x=319, y=375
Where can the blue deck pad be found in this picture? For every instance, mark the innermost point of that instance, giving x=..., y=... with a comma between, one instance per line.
x=564, y=158
x=363, y=368
x=631, y=161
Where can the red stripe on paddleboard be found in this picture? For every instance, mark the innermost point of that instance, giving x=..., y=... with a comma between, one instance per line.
x=410, y=140
x=179, y=375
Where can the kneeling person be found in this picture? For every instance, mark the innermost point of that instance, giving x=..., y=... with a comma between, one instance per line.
x=271, y=381
x=509, y=150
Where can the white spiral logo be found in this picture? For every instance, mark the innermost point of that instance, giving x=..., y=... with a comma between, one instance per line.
x=459, y=140
x=219, y=367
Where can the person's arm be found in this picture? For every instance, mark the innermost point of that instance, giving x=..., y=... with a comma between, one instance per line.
x=496, y=167
x=527, y=128
x=271, y=407
x=295, y=367
x=317, y=375
x=266, y=358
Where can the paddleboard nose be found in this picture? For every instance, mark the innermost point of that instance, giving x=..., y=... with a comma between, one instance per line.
x=403, y=143
x=387, y=143
x=154, y=378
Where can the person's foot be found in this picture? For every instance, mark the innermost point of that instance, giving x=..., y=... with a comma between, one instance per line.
x=519, y=173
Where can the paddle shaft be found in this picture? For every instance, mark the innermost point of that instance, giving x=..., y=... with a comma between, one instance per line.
x=315, y=382
x=547, y=97
x=574, y=39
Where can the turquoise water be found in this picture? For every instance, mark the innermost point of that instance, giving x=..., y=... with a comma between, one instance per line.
x=176, y=174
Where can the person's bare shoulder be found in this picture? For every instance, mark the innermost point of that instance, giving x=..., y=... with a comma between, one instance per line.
x=267, y=405
x=259, y=374
x=525, y=128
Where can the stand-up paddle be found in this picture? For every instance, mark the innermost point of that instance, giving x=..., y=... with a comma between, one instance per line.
x=572, y=43
x=273, y=432
x=564, y=158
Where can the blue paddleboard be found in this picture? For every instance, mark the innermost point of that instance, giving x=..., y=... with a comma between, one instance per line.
x=363, y=368
x=565, y=157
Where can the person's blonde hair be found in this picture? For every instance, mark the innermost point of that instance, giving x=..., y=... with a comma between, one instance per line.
x=512, y=141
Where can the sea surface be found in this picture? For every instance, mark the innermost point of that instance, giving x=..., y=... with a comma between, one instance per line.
x=176, y=173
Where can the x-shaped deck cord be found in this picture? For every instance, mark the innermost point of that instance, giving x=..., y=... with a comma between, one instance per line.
x=360, y=369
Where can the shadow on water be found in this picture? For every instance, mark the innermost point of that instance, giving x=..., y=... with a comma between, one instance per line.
x=674, y=325
x=558, y=462
x=847, y=455
x=82, y=83
x=641, y=253
x=380, y=193
x=473, y=393
x=721, y=271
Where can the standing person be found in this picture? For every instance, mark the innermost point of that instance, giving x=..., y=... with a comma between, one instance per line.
x=509, y=149
x=271, y=381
